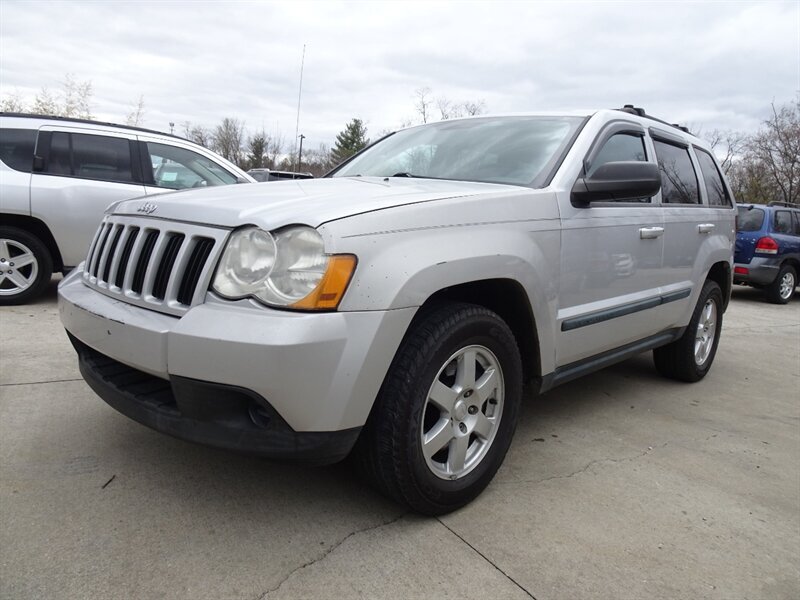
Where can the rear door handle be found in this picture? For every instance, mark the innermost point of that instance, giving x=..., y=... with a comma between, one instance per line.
x=649, y=233
x=705, y=228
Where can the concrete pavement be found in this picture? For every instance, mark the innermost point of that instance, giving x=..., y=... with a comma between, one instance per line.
x=620, y=485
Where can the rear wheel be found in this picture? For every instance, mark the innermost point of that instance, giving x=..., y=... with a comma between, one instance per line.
x=781, y=290
x=447, y=410
x=25, y=266
x=689, y=358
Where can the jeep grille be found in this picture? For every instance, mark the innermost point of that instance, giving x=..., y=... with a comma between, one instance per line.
x=156, y=264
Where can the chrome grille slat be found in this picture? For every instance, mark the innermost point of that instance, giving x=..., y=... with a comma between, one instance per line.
x=148, y=262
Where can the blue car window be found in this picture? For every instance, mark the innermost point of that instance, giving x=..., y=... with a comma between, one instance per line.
x=783, y=222
x=750, y=219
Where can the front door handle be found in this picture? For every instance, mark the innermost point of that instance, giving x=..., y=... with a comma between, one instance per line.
x=649, y=233
x=705, y=228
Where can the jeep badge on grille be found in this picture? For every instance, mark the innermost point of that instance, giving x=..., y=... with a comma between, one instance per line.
x=147, y=208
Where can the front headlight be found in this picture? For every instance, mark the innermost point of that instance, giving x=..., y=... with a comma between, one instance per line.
x=286, y=268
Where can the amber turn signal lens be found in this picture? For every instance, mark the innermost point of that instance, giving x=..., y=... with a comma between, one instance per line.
x=330, y=290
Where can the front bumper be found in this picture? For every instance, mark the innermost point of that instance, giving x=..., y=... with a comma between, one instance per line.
x=217, y=415
x=760, y=271
x=309, y=373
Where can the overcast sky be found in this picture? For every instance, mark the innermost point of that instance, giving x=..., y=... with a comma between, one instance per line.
x=708, y=64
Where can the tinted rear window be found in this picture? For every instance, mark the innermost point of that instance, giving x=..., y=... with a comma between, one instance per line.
x=750, y=219
x=16, y=148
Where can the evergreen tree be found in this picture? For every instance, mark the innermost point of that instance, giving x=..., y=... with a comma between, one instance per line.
x=352, y=139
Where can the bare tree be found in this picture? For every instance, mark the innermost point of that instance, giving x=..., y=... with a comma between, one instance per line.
x=777, y=147
x=197, y=134
x=474, y=107
x=317, y=162
x=74, y=100
x=274, y=150
x=727, y=145
x=136, y=116
x=423, y=103
x=228, y=139
x=446, y=109
x=77, y=98
x=45, y=103
x=13, y=103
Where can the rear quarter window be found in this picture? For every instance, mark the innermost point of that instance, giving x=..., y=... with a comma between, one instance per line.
x=782, y=222
x=16, y=148
x=750, y=219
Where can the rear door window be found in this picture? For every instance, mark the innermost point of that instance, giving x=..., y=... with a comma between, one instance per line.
x=678, y=179
x=16, y=148
x=101, y=157
x=89, y=156
x=715, y=188
x=60, y=159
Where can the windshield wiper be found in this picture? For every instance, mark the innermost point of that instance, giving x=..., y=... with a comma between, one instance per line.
x=405, y=174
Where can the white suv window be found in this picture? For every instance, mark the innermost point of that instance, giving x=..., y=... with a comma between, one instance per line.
x=90, y=157
x=178, y=168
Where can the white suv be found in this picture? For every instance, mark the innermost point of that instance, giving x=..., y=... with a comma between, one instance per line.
x=58, y=175
x=395, y=307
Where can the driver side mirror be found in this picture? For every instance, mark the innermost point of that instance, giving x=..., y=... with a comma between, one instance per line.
x=617, y=182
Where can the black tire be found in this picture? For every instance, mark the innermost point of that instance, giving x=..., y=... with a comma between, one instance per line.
x=781, y=290
x=17, y=243
x=679, y=360
x=390, y=448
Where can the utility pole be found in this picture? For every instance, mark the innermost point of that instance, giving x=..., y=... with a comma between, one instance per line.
x=300, y=153
x=299, y=94
x=171, y=127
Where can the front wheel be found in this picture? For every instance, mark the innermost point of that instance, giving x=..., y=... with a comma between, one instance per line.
x=447, y=410
x=25, y=266
x=781, y=290
x=689, y=357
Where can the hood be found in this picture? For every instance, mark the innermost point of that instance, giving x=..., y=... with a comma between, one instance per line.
x=302, y=201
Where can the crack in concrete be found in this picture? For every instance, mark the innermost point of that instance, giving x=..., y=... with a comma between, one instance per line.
x=40, y=382
x=586, y=467
x=328, y=551
x=486, y=558
x=780, y=327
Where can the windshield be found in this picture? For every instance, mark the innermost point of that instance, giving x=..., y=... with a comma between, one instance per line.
x=750, y=219
x=513, y=150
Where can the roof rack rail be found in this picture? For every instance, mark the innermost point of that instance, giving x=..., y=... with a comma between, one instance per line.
x=634, y=110
x=786, y=204
x=90, y=122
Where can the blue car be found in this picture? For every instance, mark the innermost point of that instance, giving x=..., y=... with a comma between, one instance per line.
x=768, y=249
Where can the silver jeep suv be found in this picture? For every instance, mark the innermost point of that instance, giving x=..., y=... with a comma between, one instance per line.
x=393, y=309
x=58, y=175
